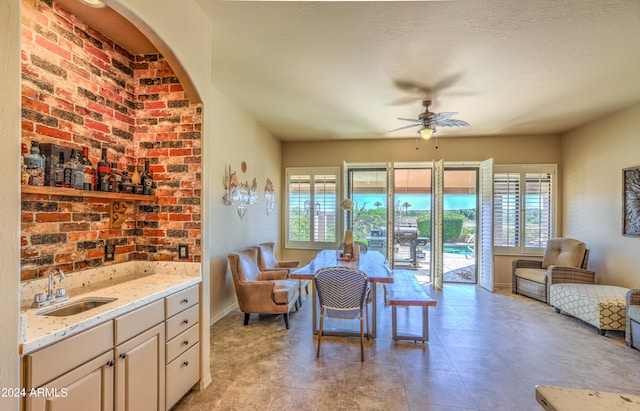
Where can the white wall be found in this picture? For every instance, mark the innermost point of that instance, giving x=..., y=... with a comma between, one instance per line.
x=9, y=198
x=593, y=157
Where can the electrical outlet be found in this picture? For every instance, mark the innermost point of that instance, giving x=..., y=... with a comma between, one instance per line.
x=183, y=251
x=109, y=252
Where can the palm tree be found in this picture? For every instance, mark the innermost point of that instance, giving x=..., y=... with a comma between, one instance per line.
x=377, y=205
x=406, y=206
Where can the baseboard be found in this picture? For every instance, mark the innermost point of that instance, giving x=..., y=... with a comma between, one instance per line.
x=223, y=313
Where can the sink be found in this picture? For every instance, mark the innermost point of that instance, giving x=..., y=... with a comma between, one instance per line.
x=75, y=307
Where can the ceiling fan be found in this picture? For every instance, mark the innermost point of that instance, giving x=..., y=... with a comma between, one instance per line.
x=429, y=120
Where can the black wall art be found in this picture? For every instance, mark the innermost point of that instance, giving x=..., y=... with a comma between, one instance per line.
x=631, y=202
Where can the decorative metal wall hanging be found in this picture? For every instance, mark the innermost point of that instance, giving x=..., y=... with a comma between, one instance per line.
x=270, y=196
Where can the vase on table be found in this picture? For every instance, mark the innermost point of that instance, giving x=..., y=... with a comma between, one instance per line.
x=348, y=244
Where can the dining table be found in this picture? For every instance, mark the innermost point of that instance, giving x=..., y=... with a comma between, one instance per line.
x=373, y=263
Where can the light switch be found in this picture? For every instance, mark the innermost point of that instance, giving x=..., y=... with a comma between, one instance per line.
x=183, y=251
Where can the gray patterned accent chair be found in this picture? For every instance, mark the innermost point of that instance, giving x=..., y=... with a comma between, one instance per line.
x=342, y=294
x=564, y=261
x=632, y=332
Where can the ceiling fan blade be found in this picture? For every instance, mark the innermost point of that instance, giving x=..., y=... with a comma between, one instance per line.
x=402, y=128
x=410, y=119
x=452, y=123
x=443, y=116
x=403, y=101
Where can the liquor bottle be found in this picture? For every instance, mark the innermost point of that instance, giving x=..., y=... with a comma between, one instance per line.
x=24, y=176
x=113, y=180
x=135, y=177
x=73, y=174
x=146, y=179
x=103, y=172
x=58, y=172
x=88, y=170
x=34, y=163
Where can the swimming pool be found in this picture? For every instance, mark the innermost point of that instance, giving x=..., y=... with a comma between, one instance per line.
x=460, y=249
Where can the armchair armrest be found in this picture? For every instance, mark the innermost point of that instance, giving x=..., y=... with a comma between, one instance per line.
x=633, y=297
x=287, y=264
x=273, y=274
x=525, y=264
x=561, y=274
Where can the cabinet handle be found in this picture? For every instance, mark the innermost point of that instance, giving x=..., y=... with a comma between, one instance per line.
x=123, y=355
x=186, y=342
x=186, y=363
x=110, y=363
x=185, y=321
x=186, y=300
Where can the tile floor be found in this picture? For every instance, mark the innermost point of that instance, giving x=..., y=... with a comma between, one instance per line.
x=487, y=351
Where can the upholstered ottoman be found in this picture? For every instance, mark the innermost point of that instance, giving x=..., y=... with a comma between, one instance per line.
x=603, y=306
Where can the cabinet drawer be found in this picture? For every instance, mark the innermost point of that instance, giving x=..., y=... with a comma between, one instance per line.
x=182, y=342
x=135, y=322
x=181, y=321
x=181, y=300
x=48, y=363
x=182, y=374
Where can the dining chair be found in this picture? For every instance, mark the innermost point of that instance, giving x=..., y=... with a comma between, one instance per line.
x=342, y=293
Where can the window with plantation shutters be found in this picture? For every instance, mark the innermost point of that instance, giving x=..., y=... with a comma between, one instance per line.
x=524, y=201
x=311, y=207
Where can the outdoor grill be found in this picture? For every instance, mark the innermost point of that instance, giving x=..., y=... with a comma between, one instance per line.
x=405, y=236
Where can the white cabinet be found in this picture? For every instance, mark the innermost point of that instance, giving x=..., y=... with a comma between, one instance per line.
x=144, y=360
x=182, y=346
x=140, y=356
x=73, y=374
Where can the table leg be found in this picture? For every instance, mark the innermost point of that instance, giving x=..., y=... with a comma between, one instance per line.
x=314, y=315
x=374, y=303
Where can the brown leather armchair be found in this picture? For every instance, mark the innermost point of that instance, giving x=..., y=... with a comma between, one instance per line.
x=565, y=261
x=267, y=261
x=262, y=292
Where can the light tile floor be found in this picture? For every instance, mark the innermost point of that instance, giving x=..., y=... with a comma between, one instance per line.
x=487, y=351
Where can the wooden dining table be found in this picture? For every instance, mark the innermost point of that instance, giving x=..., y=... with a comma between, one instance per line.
x=372, y=263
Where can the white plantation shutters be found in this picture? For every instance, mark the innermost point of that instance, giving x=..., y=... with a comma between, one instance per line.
x=311, y=207
x=523, y=203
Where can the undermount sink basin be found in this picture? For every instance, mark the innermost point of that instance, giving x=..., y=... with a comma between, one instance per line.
x=75, y=307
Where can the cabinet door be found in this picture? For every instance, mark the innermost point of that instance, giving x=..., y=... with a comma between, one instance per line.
x=140, y=372
x=86, y=388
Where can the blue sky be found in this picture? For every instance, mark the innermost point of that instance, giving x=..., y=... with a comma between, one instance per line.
x=420, y=202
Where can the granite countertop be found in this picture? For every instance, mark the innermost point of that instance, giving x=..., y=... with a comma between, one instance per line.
x=131, y=290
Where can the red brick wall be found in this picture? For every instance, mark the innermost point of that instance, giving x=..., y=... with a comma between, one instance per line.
x=81, y=89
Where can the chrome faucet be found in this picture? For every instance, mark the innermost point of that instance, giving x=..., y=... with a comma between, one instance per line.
x=60, y=292
x=52, y=296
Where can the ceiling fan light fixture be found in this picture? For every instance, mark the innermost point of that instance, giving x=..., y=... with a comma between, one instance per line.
x=426, y=132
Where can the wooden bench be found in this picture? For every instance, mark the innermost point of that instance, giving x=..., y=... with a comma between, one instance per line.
x=405, y=291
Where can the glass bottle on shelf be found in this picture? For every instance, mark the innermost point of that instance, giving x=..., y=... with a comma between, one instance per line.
x=104, y=170
x=73, y=174
x=113, y=180
x=126, y=186
x=58, y=171
x=88, y=170
x=135, y=177
x=77, y=181
x=145, y=179
x=24, y=176
x=34, y=164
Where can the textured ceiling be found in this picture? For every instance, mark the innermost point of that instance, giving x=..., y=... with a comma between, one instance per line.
x=347, y=70
x=329, y=70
